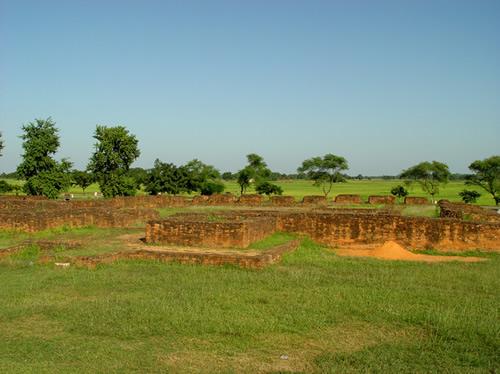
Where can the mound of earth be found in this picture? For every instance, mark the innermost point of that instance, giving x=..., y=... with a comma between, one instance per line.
x=393, y=251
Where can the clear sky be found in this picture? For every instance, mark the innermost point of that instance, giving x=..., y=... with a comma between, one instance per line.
x=385, y=84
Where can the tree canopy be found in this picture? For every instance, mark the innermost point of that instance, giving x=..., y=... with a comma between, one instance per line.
x=44, y=175
x=255, y=172
x=487, y=176
x=324, y=171
x=115, y=150
x=430, y=175
x=1, y=144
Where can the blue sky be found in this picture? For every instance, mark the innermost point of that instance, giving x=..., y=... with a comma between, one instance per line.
x=385, y=84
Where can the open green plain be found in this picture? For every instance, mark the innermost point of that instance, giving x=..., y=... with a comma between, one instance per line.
x=365, y=188
x=313, y=312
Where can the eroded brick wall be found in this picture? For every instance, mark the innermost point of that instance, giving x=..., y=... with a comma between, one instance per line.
x=416, y=200
x=348, y=199
x=376, y=199
x=314, y=200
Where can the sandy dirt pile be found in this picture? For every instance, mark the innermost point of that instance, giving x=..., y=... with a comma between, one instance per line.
x=393, y=251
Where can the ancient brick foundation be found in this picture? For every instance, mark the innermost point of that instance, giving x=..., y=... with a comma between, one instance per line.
x=225, y=231
x=315, y=200
x=348, y=199
x=282, y=200
x=332, y=229
x=471, y=212
x=416, y=200
x=33, y=220
x=251, y=200
x=387, y=200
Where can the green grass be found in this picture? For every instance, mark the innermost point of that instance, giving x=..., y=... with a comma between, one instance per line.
x=326, y=313
x=365, y=188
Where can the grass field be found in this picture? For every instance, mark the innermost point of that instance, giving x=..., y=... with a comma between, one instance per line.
x=365, y=188
x=314, y=312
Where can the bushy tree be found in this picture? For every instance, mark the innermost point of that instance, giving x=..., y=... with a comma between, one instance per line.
x=399, y=191
x=5, y=187
x=487, y=176
x=469, y=196
x=115, y=150
x=324, y=171
x=165, y=178
x=227, y=176
x=267, y=188
x=44, y=175
x=256, y=171
x=212, y=187
x=82, y=179
x=1, y=144
x=200, y=176
x=430, y=176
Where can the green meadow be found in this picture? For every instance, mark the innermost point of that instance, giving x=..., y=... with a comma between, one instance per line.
x=365, y=188
x=315, y=312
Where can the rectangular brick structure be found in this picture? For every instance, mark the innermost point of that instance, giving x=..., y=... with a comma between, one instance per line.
x=348, y=199
x=377, y=199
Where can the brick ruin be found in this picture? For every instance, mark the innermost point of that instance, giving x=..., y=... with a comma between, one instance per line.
x=416, y=200
x=348, y=199
x=326, y=227
x=461, y=226
x=386, y=200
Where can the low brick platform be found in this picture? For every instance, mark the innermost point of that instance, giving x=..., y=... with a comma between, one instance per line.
x=415, y=200
x=381, y=199
x=314, y=200
x=348, y=199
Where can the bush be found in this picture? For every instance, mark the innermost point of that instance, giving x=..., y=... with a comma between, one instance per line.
x=5, y=187
x=399, y=191
x=211, y=187
x=469, y=196
x=267, y=188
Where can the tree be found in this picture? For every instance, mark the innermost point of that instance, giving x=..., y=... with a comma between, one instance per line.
x=227, y=176
x=165, y=178
x=5, y=187
x=487, y=176
x=44, y=175
x=212, y=187
x=399, y=191
x=469, y=196
x=267, y=188
x=255, y=172
x=200, y=176
x=324, y=171
x=430, y=175
x=82, y=179
x=116, y=149
x=1, y=144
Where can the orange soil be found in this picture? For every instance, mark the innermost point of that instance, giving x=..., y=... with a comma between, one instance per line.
x=393, y=251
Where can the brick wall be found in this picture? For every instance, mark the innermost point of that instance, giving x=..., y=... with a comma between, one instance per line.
x=416, y=200
x=375, y=199
x=348, y=199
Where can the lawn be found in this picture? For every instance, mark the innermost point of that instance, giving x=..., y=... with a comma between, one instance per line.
x=314, y=312
x=365, y=188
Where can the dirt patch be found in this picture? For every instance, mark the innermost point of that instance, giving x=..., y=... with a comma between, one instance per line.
x=393, y=251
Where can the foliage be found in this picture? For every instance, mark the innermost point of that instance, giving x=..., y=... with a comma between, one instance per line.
x=324, y=171
x=211, y=187
x=487, y=176
x=116, y=149
x=198, y=175
x=399, y=191
x=469, y=196
x=267, y=188
x=256, y=171
x=430, y=175
x=1, y=144
x=165, y=178
x=227, y=176
x=82, y=179
x=44, y=175
x=139, y=175
x=5, y=187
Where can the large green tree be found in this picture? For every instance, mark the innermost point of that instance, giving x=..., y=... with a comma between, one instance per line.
x=324, y=171
x=166, y=178
x=44, y=175
x=429, y=175
x=115, y=150
x=203, y=178
x=82, y=179
x=1, y=144
x=487, y=176
x=255, y=172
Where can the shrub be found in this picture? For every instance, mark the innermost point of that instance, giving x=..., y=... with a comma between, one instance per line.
x=469, y=196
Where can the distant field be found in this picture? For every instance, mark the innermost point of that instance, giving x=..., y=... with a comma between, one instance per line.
x=300, y=188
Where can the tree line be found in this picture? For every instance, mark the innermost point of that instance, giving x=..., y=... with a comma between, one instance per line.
x=116, y=149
